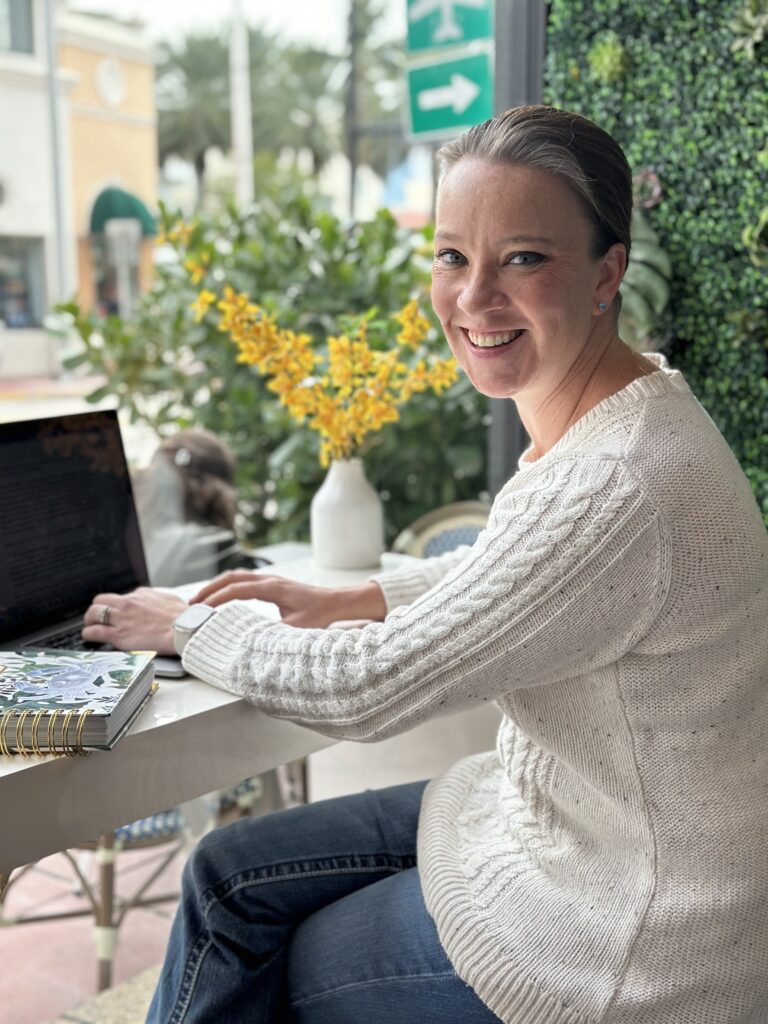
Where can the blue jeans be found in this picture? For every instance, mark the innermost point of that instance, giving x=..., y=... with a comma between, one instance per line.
x=311, y=916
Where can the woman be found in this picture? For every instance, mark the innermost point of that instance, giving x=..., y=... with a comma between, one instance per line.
x=608, y=862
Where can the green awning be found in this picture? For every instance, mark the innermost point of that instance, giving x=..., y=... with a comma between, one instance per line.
x=115, y=202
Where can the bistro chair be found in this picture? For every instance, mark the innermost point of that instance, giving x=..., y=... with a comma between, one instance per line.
x=175, y=830
x=443, y=529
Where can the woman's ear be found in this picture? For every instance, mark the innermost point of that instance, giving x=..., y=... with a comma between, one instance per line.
x=612, y=267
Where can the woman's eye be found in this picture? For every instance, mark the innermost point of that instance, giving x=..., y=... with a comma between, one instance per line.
x=449, y=257
x=525, y=259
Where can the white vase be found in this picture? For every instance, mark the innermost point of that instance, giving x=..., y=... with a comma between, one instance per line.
x=346, y=520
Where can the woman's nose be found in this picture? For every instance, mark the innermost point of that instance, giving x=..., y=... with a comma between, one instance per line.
x=481, y=293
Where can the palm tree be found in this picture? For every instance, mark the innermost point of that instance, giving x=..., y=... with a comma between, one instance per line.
x=297, y=96
x=193, y=99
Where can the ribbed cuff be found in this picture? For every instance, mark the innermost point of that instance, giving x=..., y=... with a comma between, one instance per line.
x=212, y=650
x=402, y=587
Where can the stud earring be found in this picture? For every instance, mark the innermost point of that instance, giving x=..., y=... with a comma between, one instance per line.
x=602, y=307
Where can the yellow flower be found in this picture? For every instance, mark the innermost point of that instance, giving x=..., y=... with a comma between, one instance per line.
x=415, y=326
x=351, y=389
x=202, y=304
x=443, y=374
x=180, y=234
x=196, y=267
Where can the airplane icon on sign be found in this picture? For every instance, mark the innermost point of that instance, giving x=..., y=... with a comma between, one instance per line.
x=448, y=28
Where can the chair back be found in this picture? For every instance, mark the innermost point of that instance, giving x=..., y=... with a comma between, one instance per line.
x=443, y=529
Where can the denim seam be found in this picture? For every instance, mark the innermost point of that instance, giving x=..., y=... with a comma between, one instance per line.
x=341, y=860
x=189, y=980
x=303, y=1000
x=212, y=897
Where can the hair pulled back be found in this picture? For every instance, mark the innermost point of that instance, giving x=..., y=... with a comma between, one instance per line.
x=575, y=149
x=206, y=468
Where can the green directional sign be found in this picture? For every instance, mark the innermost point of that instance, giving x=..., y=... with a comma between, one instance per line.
x=436, y=24
x=446, y=96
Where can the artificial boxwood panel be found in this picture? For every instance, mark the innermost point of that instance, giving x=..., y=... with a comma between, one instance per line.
x=661, y=77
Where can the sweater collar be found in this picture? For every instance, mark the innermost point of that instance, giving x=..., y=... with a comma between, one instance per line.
x=664, y=381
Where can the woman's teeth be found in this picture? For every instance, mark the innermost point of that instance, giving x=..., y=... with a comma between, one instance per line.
x=492, y=340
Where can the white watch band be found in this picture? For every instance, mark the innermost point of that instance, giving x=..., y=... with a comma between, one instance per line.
x=188, y=623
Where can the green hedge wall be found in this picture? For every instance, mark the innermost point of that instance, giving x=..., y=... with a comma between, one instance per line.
x=662, y=77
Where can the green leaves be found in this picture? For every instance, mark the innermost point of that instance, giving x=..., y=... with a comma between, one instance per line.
x=755, y=237
x=169, y=371
x=645, y=288
x=695, y=113
x=608, y=59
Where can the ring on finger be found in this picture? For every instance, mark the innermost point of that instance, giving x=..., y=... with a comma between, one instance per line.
x=104, y=613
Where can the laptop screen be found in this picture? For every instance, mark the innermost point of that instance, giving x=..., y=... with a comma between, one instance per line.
x=68, y=523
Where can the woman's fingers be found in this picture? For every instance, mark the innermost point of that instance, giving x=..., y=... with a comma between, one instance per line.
x=220, y=582
x=244, y=591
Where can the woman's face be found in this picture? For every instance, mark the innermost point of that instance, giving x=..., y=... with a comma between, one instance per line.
x=514, y=282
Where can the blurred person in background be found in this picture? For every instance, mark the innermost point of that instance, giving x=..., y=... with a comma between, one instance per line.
x=187, y=505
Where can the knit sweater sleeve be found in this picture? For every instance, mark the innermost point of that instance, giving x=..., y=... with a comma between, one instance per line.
x=566, y=578
x=403, y=586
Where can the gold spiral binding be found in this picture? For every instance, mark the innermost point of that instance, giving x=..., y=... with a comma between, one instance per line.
x=20, y=747
x=35, y=728
x=72, y=721
x=4, y=748
x=67, y=747
x=79, y=748
x=51, y=734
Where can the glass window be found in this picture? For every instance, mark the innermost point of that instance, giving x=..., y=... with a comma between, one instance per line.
x=21, y=282
x=16, y=26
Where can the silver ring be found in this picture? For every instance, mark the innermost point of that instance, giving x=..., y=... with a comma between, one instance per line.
x=104, y=612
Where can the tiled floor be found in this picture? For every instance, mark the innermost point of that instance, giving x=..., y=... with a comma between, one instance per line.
x=49, y=969
x=126, y=1004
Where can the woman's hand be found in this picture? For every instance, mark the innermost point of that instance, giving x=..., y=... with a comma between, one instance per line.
x=139, y=621
x=300, y=604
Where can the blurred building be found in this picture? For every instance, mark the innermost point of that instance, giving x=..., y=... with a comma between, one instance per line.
x=113, y=169
x=78, y=171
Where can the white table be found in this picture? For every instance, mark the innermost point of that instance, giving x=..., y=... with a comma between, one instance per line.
x=191, y=739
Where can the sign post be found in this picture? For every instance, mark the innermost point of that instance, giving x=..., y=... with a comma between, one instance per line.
x=433, y=24
x=450, y=83
x=446, y=96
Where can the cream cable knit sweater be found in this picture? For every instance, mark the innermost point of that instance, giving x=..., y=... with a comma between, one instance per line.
x=609, y=862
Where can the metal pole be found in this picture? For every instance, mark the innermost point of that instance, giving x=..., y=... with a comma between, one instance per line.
x=520, y=40
x=240, y=98
x=352, y=112
x=58, y=289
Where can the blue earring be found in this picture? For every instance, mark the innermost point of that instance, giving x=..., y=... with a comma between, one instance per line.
x=602, y=307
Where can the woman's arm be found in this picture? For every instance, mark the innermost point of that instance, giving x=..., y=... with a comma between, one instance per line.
x=567, y=577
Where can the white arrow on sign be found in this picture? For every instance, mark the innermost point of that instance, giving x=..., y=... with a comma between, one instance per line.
x=459, y=94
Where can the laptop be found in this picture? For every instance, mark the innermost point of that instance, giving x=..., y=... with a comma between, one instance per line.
x=68, y=528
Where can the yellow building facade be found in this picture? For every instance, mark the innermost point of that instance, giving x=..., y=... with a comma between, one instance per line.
x=113, y=146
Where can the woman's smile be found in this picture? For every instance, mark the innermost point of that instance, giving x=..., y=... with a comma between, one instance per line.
x=487, y=344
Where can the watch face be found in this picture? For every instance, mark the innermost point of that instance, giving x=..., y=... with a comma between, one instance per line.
x=194, y=616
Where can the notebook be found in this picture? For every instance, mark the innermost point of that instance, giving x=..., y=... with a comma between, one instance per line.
x=68, y=528
x=66, y=702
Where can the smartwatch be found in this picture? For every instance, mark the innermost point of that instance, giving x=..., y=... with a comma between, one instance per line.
x=190, y=620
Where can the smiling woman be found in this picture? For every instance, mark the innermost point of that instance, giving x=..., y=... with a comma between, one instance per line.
x=606, y=862
x=526, y=313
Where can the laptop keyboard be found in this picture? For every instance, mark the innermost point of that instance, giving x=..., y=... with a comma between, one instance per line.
x=71, y=640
